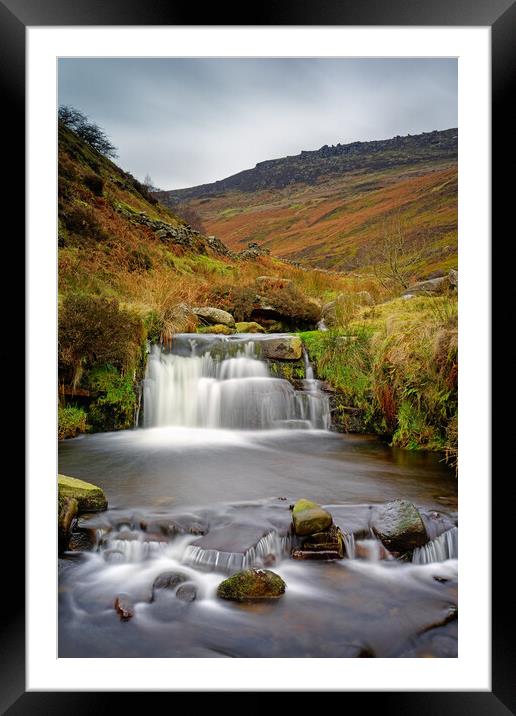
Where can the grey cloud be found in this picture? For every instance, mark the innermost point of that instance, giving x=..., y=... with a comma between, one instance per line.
x=191, y=121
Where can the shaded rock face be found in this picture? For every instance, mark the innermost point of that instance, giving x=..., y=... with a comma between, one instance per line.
x=285, y=348
x=399, y=525
x=310, y=518
x=249, y=327
x=252, y=585
x=90, y=498
x=213, y=316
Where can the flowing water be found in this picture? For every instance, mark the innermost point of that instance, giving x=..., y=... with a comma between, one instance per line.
x=203, y=489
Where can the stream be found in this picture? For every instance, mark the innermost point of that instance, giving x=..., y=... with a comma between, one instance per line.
x=204, y=487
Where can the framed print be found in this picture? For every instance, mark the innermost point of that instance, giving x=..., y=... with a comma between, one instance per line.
x=258, y=291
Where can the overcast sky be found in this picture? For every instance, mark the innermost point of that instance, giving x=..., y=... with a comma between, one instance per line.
x=192, y=121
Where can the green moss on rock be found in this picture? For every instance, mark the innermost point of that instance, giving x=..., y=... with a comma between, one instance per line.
x=90, y=498
x=252, y=585
x=218, y=328
x=309, y=518
x=249, y=327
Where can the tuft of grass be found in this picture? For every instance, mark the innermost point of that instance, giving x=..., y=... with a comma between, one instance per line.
x=71, y=421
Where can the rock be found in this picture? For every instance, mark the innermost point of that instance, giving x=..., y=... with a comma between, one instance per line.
x=285, y=348
x=81, y=541
x=431, y=287
x=218, y=328
x=167, y=580
x=322, y=545
x=68, y=508
x=90, y=498
x=252, y=585
x=453, y=279
x=399, y=525
x=124, y=607
x=249, y=327
x=214, y=316
x=322, y=555
x=309, y=518
x=186, y=592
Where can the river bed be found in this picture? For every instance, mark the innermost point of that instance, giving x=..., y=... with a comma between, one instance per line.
x=204, y=501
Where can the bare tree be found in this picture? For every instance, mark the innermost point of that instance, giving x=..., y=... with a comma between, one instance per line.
x=149, y=184
x=395, y=259
x=88, y=131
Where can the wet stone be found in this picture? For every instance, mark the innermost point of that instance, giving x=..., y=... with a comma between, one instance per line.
x=124, y=607
x=167, y=580
x=186, y=592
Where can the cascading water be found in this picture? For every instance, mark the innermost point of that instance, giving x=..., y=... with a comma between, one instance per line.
x=439, y=549
x=220, y=382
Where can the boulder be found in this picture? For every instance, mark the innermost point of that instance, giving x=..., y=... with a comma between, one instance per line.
x=284, y=348
x=309, y=518
x=432, y=286
x=249, y=327
x=453, y=279
x=214, y=316
x=218, y=328
x=252, y=585
x=90, y=498
x=399, y=525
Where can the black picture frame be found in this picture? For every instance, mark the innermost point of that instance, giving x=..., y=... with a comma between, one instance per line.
x=500, y=15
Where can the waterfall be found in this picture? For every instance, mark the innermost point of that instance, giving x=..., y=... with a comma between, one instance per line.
x=221, y=382
x=439, y=549
x=271, y=546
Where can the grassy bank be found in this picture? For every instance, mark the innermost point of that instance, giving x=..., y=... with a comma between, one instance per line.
x=397, y=364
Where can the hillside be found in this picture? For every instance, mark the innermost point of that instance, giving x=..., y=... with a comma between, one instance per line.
x=333, y=207
x=131, y=270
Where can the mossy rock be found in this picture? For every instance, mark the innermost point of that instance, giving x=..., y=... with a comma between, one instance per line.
x=399, y=525
x=284, y=348
x=309, y=518
x=218, y=328
x=249, y=327
x=252, y=585
x=90, y=498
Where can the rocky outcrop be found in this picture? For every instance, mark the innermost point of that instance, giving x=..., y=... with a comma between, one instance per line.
x=399, y=525
x=90, y=498
x=308, y=166
x=214, y=316
x=252, y=585
x=284, y=348
x=309, y=518
x=253, y=251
